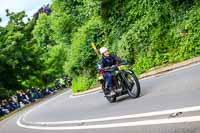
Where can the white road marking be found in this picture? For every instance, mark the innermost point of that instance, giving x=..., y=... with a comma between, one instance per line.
x=137, y=123
x=117, y=125
x=149, y=114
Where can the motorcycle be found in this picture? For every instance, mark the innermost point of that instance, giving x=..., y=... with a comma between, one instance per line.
x=124, y=82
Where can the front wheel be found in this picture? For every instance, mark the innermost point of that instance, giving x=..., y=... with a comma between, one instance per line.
x=132, y=84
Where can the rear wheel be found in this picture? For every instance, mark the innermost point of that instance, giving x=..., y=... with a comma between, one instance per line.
x=111, y=99
x=132, y=84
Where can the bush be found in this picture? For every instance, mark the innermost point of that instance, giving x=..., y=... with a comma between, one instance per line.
x=5, y=93
x=82, y=83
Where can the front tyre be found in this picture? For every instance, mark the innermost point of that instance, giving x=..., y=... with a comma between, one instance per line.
x=132, y=84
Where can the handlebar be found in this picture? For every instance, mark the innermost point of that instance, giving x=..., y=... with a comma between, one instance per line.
x=121, y=66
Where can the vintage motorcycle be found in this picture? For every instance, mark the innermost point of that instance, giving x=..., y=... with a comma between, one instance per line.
x=124, y=82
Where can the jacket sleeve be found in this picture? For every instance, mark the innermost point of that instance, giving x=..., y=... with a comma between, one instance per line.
x=118, y=60
x=99, y=65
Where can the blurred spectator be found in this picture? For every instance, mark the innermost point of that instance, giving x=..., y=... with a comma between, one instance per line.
x=40, y=93
x=22, y=98
x=68, y=81
x=21, y=104
x=3, y=111
x=13, y=105
x=14, y=99
x=52, y=89
x=6, y=105
x=30, y=95
x=35, y=93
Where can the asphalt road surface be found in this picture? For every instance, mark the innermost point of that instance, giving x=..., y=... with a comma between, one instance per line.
x=169, y=103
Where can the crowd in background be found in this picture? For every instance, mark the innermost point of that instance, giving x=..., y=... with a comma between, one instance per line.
x=22, y=98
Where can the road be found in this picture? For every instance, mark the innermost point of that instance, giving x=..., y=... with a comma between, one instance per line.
x=169, y=103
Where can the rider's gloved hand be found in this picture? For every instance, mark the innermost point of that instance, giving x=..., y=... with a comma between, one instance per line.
x=101, y=71
x=114, y=67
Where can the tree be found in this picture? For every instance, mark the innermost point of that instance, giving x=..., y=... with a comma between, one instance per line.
x=19, y=56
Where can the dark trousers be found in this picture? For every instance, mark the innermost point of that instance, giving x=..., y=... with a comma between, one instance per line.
x=108, y=77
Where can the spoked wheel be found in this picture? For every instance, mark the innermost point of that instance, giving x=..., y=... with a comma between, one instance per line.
x=132, y=84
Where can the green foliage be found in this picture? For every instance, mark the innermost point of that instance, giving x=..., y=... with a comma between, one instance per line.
x=42, y=31
x=82, y=58
x=158, y=34
x=5, y=93
x=82, y=83
x=54, y=61
x=19, y=55
x=147, y=33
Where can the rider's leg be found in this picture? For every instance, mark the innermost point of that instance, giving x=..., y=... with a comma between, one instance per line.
x=108, y=78
x=109, y=83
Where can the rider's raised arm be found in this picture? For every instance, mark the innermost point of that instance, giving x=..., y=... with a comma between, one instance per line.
x=119, y=61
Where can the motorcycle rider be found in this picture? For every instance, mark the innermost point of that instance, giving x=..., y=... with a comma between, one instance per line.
x=111, y=61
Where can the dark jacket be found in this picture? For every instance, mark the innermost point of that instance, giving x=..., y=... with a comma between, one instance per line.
x=108, y=61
